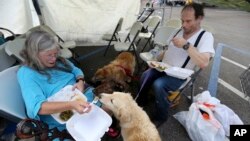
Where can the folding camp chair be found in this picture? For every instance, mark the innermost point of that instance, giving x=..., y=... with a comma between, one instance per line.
x=114, y=36
x=160, y=41
x=5, y=60
x=189, y=83
x=12, y=34
x=145, y=14
x=151, y=27
x=12, y=105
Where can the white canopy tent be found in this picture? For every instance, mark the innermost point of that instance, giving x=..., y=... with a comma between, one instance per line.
x=80, y=20
x=17, y=15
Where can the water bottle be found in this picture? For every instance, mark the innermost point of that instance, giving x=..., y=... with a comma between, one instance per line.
x=155, y=52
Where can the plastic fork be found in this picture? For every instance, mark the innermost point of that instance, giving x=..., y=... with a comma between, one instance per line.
x=93, y=102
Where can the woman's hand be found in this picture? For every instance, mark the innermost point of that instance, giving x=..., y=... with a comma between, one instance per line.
x=79, y=85
x=81, y=106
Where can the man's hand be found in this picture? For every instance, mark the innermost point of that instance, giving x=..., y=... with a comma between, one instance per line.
x=179, y=42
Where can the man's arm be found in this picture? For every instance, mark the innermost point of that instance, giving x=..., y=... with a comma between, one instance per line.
x=200, y=59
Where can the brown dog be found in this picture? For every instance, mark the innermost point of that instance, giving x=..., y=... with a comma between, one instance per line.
x=111, y=85
x=122, y=68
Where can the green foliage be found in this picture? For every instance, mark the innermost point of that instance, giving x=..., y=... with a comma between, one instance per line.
x=233, y=4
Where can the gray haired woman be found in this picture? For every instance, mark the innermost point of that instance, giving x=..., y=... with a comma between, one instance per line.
x=43, y=74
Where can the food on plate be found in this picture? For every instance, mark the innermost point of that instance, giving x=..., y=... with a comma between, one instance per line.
x=161, y=67
x=66, y=115
x=78, y=97
x=154, y=64
x=157, y=65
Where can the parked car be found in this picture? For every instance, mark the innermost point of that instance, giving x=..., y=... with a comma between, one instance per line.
x=175, y=2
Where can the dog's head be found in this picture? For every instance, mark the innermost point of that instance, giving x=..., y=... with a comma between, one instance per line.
x=119, y=103
x=100, y=75
x=129, y=57
x=116, y=69
x=111, y=85
x=110, y=71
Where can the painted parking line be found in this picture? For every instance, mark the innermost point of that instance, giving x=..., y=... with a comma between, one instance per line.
x=230, y=87
x=233, y=62
x=214, y=75
x=233, y=89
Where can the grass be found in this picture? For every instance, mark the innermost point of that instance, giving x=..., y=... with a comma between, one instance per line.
x=232, y=4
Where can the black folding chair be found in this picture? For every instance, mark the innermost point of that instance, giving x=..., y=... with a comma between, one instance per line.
x=114, y=36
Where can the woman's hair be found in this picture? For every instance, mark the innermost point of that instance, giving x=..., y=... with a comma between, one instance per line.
x=38, y=41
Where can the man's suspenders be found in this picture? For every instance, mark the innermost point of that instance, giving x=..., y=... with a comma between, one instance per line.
x=195, y=45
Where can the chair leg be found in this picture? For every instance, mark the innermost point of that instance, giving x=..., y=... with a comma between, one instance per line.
x=146, y=44
x=74, y=53
x=192, y=92
x=138, y=42
x=106, y=50
x=141, y=67
x=136, y=57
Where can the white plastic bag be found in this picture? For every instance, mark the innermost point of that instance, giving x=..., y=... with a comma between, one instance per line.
x=201, y=124
x=226, y=117
x=222, y=113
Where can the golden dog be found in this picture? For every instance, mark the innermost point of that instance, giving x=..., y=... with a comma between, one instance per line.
x=122, y=68
x=135, y=123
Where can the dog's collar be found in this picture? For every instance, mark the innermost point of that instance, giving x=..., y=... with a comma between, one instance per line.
x=127, y=71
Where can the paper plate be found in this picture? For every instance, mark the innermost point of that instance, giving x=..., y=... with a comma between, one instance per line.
x=180, y=73
x=66, y=94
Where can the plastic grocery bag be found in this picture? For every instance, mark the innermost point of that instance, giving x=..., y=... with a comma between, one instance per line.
x=226, y=117
x=201, y=124
x=221, y=112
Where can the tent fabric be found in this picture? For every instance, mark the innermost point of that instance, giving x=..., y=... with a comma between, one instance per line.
x=87, y=20
x=17, y=15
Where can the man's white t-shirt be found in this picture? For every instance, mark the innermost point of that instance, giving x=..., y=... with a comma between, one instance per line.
x=175, y=56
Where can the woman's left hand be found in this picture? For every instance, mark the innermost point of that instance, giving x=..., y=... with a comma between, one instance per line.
x=79, y=85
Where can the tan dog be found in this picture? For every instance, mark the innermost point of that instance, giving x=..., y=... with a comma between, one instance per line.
x=122, y=68
x=135, y=123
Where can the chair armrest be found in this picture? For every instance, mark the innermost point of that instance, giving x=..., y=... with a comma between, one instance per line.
x=68, y=44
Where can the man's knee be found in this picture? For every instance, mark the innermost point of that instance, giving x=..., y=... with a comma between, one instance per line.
x=158, y=84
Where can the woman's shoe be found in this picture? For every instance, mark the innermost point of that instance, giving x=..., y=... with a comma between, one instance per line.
x=113, y=133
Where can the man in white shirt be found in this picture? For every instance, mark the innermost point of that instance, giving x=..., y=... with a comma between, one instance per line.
x=184, y=52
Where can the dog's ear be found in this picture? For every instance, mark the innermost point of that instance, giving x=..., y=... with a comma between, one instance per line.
x=123, y=116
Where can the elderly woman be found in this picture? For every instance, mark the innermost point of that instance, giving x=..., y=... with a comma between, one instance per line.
x=43, y=74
